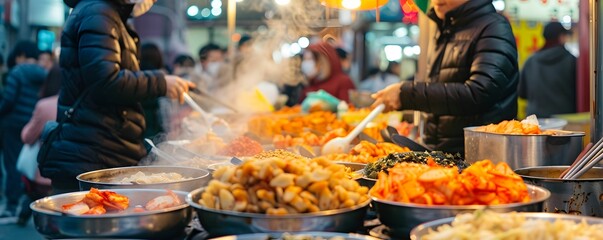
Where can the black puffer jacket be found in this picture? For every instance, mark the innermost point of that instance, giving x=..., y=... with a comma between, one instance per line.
x=548, y=82
x=472, y=75
x=99, y=51
x=21, y=94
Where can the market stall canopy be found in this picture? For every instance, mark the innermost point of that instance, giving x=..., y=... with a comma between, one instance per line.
x=355, y=4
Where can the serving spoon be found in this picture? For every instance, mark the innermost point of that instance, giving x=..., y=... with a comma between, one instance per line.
x=341, y=144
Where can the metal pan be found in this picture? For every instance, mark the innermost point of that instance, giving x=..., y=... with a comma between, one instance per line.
x=423, y=229
x=162, y=224
x=109, y=178
x=297, y=235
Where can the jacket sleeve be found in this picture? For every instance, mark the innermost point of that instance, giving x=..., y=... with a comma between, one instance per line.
x=10, y=93
x=100, y=60
x=492, y=72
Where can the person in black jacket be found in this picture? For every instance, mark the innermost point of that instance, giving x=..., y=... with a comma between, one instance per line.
x=99, y=51
x=548, y=78
x=18, y=101
x=472, y=74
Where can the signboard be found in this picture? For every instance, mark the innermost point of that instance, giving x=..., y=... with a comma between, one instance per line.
x=543, y=10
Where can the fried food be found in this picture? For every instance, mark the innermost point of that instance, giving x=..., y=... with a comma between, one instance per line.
x=277, y=186
x=514, y=127
x=366, y=152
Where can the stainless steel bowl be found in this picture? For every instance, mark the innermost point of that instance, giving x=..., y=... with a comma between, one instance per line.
x=108, y=178
x=221, y=222
x=402, y=217
x=423, y=229
x=521, y=151
x=582, y=196
x=162, y=224
x=275, y=236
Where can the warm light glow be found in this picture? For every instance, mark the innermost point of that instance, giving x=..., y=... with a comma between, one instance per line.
x=350, y=4
x=303, y=42
x=282, y=2
x=356, y=5
x=192, y=10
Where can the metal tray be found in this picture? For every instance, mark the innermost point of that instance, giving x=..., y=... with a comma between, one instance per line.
x=277, y=236
x=161, y=224
x=107, y=178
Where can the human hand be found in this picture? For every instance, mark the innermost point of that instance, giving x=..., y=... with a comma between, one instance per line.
x=390, y=96
x=176, y=87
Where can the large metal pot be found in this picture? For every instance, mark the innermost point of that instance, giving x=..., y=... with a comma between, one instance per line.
x=521, y=151
x=583, y=196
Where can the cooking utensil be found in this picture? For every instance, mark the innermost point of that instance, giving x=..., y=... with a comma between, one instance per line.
x=423, y=229
x=583, y=196
x=521, y=151
x=298, y=235
x=365, y=137
x=160, y=152
x=236, y=161
x=593, y=156
x=580, y=156
x=207, y=117
x=109, y=178
x=222, y=222
x=402, y=217
x=387, y=132
x=209, y=96
x=341, y=144
x=409, y=143
x=161, y=224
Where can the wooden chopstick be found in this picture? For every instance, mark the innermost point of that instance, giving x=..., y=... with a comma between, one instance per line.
x=580, y=156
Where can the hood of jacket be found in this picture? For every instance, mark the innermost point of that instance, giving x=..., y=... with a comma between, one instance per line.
x=73, y=3
x=327, y=50
x=463, y=14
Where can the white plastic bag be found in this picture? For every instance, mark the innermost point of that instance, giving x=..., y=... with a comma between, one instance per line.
x=27, y=164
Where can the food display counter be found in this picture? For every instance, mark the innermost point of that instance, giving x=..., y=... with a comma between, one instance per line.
x=272, y=182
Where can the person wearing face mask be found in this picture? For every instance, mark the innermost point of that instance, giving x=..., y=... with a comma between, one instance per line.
x=101, y=73
x=471, y=74
x=322, y=67
x=211, y=58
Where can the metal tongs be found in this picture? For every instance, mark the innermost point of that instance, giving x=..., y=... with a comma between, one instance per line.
x=204, y=93
x=209, y=118
x=588, y=158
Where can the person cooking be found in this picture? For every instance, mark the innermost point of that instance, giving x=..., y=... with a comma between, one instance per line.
x=471, y=74
x=99, y=51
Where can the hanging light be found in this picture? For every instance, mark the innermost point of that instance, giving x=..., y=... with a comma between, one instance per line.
x=357, y=5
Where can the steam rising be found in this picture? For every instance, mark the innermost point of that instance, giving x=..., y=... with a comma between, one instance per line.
x=261, y=63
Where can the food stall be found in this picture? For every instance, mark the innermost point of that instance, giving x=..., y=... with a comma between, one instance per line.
x=267, y=177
